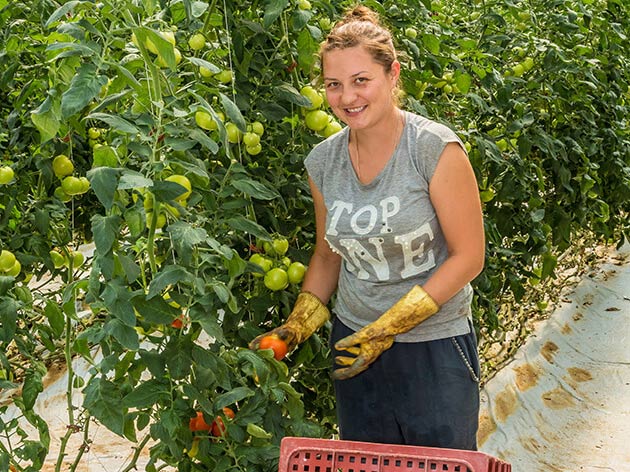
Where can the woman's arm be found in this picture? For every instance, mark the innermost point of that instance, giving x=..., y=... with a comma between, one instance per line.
x=322, y=274
x=454, y=193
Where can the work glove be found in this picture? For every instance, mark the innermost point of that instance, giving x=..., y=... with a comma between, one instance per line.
x=308, y=315
x=371, y=341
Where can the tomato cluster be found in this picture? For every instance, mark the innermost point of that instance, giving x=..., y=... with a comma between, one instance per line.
x=315, y=117
x=278, y=269
x=217, y=428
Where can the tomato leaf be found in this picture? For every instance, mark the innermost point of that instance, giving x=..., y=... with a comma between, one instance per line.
x=232, y=112
x=273, y=10
x=32, y=388
x=103, y=400
x=104, y=181
x=61, y=12
x=170, y=275
x=155, y=310
x=286, y=92
x=255, y=189
x=185, y=237
x=241, y=223
x=117, y=298
x=106, y=230
x=233, y=396
x=148, y=393
x=115, y=122
x=85, y=85
x=124, y=334
x=209, y=322
x=55, y=317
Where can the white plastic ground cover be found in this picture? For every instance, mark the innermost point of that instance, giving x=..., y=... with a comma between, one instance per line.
x=563, y=402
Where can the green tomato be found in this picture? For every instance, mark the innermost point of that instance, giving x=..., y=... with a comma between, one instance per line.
x=205, y=72
x=251, y=139
x=15, y=270
x=258, y=128
x=280, y=246
x=518, y=70
x=304, y=5
x=72, y=185
x=411, y=33
x=7, y=260
x=316, y=120
x=184, y=182
x=62, y=165
x=94, y=133
x=61, y=195
x=85, y=185
x=313, y=95
x=6, y=175
x=204, y=120
x=276, y=279
x=253, y=150
x=225, y=76
x=263, y=262
x=197, y=42
x=57, y=259
x=331, y=128
x=296, y=272
x=233, y=133
x=78, y=258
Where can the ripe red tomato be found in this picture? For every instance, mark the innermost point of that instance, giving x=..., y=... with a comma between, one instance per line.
x=218, y=426
x=279, y=346
x=198, y=423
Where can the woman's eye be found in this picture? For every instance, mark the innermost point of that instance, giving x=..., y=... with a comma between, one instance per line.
x=361, y=80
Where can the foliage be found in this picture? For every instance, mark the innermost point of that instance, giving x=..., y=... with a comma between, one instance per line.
x=538, y=91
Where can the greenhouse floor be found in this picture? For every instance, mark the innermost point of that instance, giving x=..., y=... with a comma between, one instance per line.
x=561, y=404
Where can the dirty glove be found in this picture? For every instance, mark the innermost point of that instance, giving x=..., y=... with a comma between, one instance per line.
x=308, y=315
x=371, y=341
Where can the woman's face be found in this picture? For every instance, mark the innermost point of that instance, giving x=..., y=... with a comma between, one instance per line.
x=358, y=89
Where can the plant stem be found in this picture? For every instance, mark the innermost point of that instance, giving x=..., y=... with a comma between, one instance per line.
x=138, y=449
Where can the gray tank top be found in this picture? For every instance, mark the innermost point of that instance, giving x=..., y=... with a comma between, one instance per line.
x=387, y=231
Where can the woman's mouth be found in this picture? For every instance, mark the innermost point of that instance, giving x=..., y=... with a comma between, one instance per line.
x=355, y=110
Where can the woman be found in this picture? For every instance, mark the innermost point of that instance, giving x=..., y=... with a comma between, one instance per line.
x=399, y=238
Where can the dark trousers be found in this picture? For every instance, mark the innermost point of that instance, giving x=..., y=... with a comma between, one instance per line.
x=421, y=394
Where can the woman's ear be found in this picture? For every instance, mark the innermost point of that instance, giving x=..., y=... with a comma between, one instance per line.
x=395, y=72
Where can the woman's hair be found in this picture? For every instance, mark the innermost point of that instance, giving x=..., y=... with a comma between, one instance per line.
x=360, y=26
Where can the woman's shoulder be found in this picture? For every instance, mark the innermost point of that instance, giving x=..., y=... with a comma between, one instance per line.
x=328, y=147
x=424, y=127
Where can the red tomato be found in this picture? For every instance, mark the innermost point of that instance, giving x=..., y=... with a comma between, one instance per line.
x=218, y=427
x=198, y=423
x=279, y=347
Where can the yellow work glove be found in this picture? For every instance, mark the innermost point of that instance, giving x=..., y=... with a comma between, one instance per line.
x=371, y=341
x=308, y=315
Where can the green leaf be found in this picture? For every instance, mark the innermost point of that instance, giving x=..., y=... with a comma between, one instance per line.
x=104, y=181
x=178, y=355
x=147, y=394
x=155, y=310
x=203, y=139
x=185, y=238
x=273, y=9
x=307, y=49
x=232, y=112
x=170, y=275
x=106, y=230
x=124, y=334
x=255, y=189
x=240, y=223
x=61, y=12
x=286, y=92
x=46, y=123
x=230, y=398
x=32, y=388
x=209, y=322
x=55, y=317
x=205, y=64
x=85, y=85
x=104, y=402
x=117, y=298
x=116, y=122
x=431, y=42
x=104, y=156
x=257, y=432
x=130, y=179
x=8, y=316
x=463, y=81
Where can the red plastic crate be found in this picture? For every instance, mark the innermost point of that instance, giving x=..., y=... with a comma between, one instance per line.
x=326, y=455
